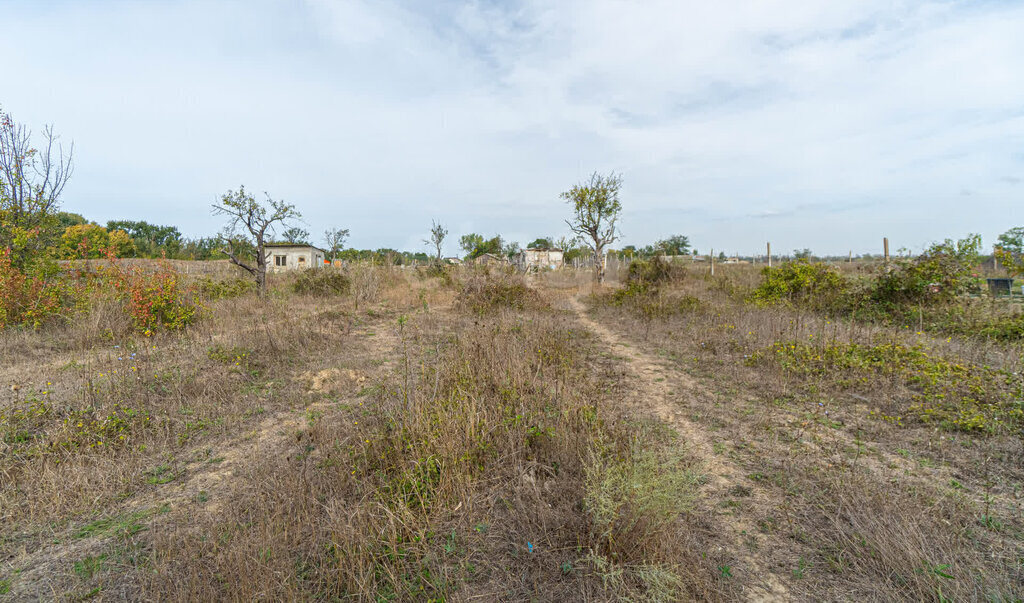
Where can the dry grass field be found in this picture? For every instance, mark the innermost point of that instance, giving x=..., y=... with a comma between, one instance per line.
x=470, y=436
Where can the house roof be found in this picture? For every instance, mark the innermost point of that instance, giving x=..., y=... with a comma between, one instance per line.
x=294, y=245
x=542, y=249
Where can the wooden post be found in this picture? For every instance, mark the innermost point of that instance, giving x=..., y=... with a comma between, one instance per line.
x=851, y=256
x=885, y=247
x=769, y=254
x=712, y=256
x=995, y=261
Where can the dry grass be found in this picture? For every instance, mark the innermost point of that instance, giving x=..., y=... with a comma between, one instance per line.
x=857, y=503
x=484, y=294
x=368, y=445
x=461, y=436
x=462, y=474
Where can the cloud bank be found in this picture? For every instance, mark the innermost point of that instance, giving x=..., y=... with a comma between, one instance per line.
x=816, y=124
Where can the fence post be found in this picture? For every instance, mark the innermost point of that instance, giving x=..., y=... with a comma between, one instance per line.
x=769, y=254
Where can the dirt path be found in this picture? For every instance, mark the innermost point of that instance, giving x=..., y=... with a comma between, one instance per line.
x=655, y=389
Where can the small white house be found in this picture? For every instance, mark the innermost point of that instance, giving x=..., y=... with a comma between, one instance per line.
x=535, y=258
x=290, y=256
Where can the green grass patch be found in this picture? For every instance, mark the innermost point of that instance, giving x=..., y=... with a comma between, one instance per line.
x=127, y=524
x=89, y=566
x=955, y=395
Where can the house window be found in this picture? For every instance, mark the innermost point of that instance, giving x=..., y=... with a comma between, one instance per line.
x=280, y=260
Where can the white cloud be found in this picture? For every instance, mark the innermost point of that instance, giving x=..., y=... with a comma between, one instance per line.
x=843, y=121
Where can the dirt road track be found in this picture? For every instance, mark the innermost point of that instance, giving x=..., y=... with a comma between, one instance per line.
x=656, y=389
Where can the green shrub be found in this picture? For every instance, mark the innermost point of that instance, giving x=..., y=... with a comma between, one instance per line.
x=938, y=275
x=322, y=283
x=211, y=289
x=644, y=277
x=435, y=268
x=1004, y=328
x=799, y=282
x=653, y=272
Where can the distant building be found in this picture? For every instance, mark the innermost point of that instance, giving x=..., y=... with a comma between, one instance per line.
x=489, y=259
x=453, y=261
x=291, y=256
x=535, y=258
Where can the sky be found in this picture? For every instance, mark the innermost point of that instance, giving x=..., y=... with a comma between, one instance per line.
x=823, y=125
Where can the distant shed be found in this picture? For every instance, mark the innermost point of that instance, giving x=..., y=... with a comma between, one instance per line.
x=290, y=256
x=489, y=259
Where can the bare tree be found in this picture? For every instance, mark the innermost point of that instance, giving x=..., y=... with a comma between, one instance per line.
x=249, y=224
x=438, y=233
x=31, y=182
x=334, y=239
x=596, y=210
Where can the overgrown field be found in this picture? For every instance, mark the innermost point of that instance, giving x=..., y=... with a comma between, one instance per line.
x=878, y=462
x=393, y=435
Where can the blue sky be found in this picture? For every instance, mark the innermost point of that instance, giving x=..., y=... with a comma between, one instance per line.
x=825, y=125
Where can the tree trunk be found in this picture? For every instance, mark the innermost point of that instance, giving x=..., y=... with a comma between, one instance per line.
x=261, y=268
x=599, y=265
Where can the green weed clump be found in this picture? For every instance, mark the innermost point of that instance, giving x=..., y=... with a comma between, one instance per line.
x=434, y=269
x=633, y=496
x=322, y=283
x=799, y=282
x=957, y=396
x=645, y=276
x=37, y=428
x=210, y=289
x=1003, y=328
x=940, y=274
x=969, y=318
x=645, y=291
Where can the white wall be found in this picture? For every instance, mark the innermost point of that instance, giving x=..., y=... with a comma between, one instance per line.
x=295, y=258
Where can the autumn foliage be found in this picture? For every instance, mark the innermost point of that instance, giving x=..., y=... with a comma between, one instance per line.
x=155, y=300
x=32, y=300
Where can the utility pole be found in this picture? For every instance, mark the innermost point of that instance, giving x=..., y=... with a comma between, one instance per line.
x=769, y=254
x=712, y=256
x=885, y=247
